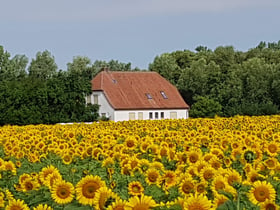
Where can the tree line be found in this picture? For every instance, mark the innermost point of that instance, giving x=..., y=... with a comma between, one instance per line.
x=224, y=81
x=40, y=93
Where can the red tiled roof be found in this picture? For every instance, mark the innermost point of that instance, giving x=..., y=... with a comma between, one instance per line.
x=128, y=90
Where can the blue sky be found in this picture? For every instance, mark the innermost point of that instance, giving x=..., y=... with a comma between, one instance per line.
x=133, y=31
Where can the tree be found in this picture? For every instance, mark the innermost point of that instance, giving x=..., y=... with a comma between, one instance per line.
x=5, y=65
x=43, y=67
x=205, y=107
x=19, y=65
x=167, y=67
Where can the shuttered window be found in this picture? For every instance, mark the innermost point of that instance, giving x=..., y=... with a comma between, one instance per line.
x=173, y=115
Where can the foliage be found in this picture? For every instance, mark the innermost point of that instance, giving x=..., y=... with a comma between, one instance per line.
x=205, y=107
x=241, y=82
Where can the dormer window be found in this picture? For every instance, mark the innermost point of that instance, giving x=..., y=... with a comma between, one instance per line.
x=149, y=96
x=163, y=94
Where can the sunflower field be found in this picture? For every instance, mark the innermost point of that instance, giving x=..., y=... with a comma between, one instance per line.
x=218, y=163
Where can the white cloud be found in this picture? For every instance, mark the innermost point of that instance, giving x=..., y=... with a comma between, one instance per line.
x=72, y=10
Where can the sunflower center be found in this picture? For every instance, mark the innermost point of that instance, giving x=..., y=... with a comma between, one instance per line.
x=28, y=186
x=193, y=158
x=219, y=185
x=270, y=206
x=272, y=148
x=130, y=143
x=89, y=189
x=187, y=187
x=141, y=207
x=63, y=193
x=197, y=206
x=208, y=175
x=261, y=194
x=153, y=177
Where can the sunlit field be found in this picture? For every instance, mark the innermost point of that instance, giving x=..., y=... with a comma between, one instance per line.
x=220, y=163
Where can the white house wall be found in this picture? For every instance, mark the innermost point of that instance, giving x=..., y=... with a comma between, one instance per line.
x=121, y=115
x=104, y=107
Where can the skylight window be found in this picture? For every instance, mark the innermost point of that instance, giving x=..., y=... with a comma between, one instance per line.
x=149, y=96
x=163, y=94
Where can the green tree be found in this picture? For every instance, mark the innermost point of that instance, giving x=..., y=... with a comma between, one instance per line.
x=167, y=67
x=205, y=107
x=43, y=66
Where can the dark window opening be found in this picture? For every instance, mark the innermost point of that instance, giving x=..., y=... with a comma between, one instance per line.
x=156, y=115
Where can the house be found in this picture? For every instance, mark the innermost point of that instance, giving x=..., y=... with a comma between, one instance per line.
x=136, y=95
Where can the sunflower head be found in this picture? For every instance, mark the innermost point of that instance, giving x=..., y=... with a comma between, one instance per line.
x=197, y=201
x=86, y=189
x=135, y=188
x=62, y=192
x=261, y=191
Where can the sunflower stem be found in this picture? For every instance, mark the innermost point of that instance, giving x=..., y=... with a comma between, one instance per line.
x=238, y=201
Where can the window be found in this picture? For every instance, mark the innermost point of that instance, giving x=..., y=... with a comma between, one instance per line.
x=156, y=115
x=131, y=115
x=173, y=115
x=162, y=115
x=149, y=96
x=163, y=94
x=103, y=114
x=95, y=99
x=140, y=115
x=150, y=115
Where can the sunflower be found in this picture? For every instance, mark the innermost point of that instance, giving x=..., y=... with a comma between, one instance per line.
x=157, y=165
x=269, y=205
x=42, y=207
x=207, y=173
x=254, y=176
x=233, y=176
x=29, y=184
x=152, y=176
x=130, y=143
x=219, y=183
x=201, y=187
x=10, y=166
x=46, y=171
x=195, y=202
x=261, y=191
x=9, y=195
x=169, y=179
x=219, y=200
x=193, y=156
x=199, y=165
x=67, y=158
x=136, y=203
x=2, y=199
x=119, y=204
x=272, y=148
x=17, y=205
x=103, y=198
x=52, y=178
x=187, y=186
x=144, y=165
x=62, y=192
x=23, y=177
x=215, y=163
x=271, y=163
x=135, y=188
x=87, y=187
